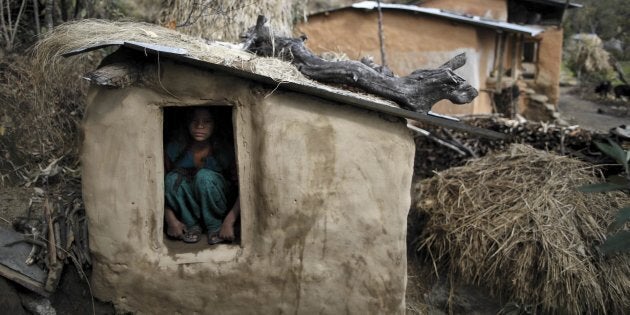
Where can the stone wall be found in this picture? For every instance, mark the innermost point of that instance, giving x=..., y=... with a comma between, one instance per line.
x=549, y=62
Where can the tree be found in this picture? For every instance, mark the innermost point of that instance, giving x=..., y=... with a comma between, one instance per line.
x=21, y=21
x=606, y=18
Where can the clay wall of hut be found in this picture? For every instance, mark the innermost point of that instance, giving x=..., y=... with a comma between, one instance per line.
x=547, y=79
x=324, y=190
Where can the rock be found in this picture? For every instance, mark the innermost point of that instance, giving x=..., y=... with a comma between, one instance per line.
x=614, y=44
x=465, y=300
x=568, y=82
x=38, y=305
x=538, y=109
x=562, y=122
x=621, y=131
x=539, y=98
x=520, y=119
x=550, y=107
x=10, y=302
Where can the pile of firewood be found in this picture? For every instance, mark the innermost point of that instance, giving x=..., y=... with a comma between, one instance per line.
x=432, y=155
x=57, y=237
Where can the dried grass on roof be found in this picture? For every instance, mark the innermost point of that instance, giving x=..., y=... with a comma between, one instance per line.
x=515, y=223
x=85, y=33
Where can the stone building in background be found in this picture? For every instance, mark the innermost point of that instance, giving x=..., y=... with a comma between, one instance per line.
x=514, y=48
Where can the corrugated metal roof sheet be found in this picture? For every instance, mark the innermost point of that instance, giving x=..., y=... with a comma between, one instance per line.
x=464, y=18
x=315, y=89
x=557, y=3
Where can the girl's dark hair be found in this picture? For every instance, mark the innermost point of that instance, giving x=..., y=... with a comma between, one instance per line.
x=176, y=122
x=190, y=112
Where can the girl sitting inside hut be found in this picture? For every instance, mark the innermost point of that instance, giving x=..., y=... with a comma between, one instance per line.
x=201, y=183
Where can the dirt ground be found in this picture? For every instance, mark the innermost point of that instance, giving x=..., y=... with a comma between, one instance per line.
x=13, y=203
x=581, y=107
x=423, y=296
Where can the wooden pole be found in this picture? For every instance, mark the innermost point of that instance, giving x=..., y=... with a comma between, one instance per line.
x=501, y=61
x=564, y=12
x=380, y=34
x=514, y=48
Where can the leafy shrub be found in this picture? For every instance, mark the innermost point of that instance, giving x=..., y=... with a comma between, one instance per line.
x=619, y=240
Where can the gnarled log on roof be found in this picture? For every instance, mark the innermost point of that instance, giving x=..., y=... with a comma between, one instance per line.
x=417, y=91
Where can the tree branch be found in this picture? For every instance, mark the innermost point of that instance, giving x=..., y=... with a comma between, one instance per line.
x=36, y=16
x=48, y=15
x=17, y=22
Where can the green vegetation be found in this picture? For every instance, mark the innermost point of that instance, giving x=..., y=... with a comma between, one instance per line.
x=566, y=70
x=619, y=241
x=625, y=65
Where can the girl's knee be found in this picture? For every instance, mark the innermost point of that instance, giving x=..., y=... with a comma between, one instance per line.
x=206, y=179
x=171, y=178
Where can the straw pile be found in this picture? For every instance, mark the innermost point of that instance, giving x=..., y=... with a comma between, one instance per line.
x=39, y=118
x=84, y=33
x=587, y=56
x=515, y=223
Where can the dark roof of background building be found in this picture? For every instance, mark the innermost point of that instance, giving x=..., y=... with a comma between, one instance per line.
x=556, y=3
x=453, y=16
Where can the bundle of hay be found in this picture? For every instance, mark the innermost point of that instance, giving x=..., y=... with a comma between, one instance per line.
x=39, y=119
x=514, y=222
x=585, y=54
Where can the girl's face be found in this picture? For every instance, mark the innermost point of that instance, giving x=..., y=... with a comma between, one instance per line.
x=201, y=125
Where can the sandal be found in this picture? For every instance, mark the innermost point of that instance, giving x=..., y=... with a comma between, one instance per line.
x=214, y=238
x=192, y=235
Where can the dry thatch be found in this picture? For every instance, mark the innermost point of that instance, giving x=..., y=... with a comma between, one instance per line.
x=515, y=223
x=586, y=55
x=39, y=119
x=85, y=33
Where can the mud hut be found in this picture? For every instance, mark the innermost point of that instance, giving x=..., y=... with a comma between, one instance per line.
x=324, y=181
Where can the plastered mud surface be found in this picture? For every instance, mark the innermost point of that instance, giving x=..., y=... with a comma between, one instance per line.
x=324, y=191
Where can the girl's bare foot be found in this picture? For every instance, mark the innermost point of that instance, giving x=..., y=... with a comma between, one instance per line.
x=175, y=229
x=227, y=227
x=227, y=230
